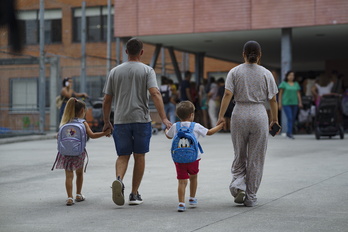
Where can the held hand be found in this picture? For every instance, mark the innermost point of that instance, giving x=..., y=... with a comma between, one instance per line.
x=108, y=126
x=167, y=123
x=108, y=132
x=221, y=121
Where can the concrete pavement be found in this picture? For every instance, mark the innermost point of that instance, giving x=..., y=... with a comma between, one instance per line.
x=304, y=188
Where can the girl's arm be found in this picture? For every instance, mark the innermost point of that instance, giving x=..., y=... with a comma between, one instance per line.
x=95, y=135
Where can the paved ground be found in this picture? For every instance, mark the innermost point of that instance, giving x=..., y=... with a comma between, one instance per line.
x=304, y=188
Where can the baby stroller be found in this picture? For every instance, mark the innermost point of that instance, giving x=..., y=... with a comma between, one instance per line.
x=96, y=121
x=306, y=114
x=328, y=120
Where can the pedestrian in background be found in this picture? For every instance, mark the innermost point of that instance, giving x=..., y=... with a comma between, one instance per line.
x=67, y=92
x=168, y=100
x=213, y=102
x=323, y=86
x=251, y=85
x=185, y=86
x=290, y=100
x=127, y=87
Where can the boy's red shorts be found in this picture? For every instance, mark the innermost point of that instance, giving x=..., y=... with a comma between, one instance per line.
x=183, y=170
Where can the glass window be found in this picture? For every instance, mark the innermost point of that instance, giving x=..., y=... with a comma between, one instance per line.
x=24, y=94
x=96, y=24
x=30, y=24
x=94, y=29
x=31, y=32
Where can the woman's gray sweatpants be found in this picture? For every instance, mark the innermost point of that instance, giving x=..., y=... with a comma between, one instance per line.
x=249, y=130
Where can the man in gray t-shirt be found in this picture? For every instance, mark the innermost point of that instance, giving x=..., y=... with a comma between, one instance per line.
x=128, y=87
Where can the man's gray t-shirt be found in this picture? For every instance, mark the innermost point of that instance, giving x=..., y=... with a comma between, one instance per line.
x=128, y=83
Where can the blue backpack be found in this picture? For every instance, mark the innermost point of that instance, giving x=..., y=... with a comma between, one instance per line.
x=72, y=138
x=185, y=145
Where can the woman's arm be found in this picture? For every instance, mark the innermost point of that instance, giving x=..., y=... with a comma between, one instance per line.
x=215, y=129
x=280, y=98
x=67, y=92
x=299, y=99
x=274, y=112
x=80, y=94
x=224, y=104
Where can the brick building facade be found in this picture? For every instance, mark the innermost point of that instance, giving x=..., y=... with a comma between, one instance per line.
x=19, y=82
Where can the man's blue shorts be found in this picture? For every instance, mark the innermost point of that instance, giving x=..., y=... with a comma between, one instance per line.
x=132, y=138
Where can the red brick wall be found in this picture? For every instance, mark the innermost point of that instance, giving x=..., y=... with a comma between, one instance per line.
x=147, y=17
x=282, y=14
x=221, y=15
x=331, y=12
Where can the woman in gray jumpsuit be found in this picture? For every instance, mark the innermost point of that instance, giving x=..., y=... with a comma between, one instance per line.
x=251, y=85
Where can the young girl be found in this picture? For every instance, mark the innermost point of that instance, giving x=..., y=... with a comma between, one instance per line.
x=75, y=109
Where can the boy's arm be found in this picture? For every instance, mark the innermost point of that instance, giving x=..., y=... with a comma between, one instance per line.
x=165, y=132
x=215, y=129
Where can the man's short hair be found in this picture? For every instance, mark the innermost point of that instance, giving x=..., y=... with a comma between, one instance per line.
x=134, y=46
x=184, y=109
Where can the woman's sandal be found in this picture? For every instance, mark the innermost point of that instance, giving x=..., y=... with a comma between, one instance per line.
x=70, y=201
x=79, y=197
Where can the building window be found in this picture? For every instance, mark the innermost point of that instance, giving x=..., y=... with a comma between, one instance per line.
x=30, y=23
x=96, y=24
x=25, y=94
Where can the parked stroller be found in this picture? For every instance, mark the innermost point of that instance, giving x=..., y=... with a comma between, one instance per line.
x=306, y=115
x=328, y=120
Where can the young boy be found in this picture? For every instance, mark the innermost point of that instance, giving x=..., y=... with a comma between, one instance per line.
x=185, y=112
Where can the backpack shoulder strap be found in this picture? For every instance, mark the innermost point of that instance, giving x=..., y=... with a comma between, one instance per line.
x=81, y=120
x=200, y=148
x=178, y=126
x=192, y=126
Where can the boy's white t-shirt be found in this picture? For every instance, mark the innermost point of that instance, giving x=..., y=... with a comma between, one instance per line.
x=198, y=131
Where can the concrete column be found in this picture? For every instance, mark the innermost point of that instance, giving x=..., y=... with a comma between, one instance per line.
x=163, y=61
x=199, y=67
x=54, y=92
x=155, y=56
x=286, y=63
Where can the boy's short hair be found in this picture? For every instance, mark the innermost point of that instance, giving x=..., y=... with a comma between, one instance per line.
x=184, y=109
